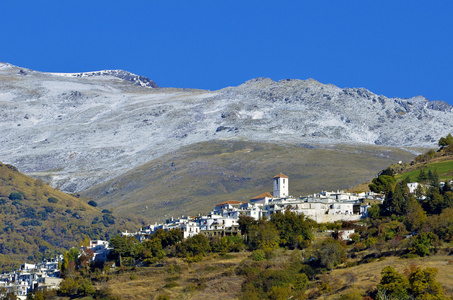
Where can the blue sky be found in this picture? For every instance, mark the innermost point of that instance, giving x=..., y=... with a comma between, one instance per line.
x=395, y=48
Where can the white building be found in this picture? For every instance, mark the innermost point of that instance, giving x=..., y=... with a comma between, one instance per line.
x=31, y=277
x=281, y=186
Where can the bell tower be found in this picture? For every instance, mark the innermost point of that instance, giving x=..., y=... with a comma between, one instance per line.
x=281, y=186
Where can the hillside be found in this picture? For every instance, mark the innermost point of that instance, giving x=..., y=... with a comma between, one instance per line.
x=195, y=178
x=37, y=221
x=216, y=277
x=79, y=130
x=440, y=161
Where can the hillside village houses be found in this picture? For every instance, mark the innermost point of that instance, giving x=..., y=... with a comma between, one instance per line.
x=46, y=274
x=223, y=219
x=32, y=277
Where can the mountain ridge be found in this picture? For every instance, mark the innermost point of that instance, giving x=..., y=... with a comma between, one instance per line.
x=79, y=131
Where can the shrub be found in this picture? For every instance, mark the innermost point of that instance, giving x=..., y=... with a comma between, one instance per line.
x=30, y=223
x=352, y=295
x=48, y=209
x=16, y=196
x=93, y=203
x=171, y=284
x=52, y=200
x=258, y=255
x=163, y=297
x=108, y=219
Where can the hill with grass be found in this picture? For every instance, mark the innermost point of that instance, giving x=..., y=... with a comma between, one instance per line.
x=38, y=221
x=195, y=178
x=440, y=161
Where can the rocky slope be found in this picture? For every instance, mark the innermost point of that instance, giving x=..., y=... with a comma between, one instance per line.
x=79, y=130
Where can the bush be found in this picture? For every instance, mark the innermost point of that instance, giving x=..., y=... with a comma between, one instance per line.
x=352, y=295
x=48, y=209
x=171, y=284
x=108, y=219
x=92, y=203
x=258, y=255
x=52, y=200
x=16, y=196
x=31, y=223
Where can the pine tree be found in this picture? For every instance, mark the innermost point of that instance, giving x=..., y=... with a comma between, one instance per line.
x=422, y=177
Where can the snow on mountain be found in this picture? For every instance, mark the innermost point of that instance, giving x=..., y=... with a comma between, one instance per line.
x=82, y=129
x=136, y=79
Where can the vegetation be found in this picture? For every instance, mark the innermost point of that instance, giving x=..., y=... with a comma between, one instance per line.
x=446, y=141
x=37, y=221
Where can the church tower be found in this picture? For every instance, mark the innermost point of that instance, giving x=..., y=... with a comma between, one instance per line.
x=281, y=186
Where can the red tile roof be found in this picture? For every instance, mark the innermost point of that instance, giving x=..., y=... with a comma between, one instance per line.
x=263, y=195
x=281, y=175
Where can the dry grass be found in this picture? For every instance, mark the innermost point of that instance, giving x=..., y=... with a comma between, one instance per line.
x=213, y=278
x=369, y=275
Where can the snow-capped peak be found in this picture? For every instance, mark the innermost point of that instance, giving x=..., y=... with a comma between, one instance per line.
x=128, y=76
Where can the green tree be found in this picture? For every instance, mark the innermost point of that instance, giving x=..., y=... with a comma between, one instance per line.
x=422, y=176
x=330, y=253
x=73, y=254
x=433, y=178
x=394, y=283
x=263, y=236
x=245, y=222
x=169, y=237
x=374, y=212
x=395, y=202
x=436, y=202
x=122, y=247
x=152, y=251
x=197, y=245
x=69, y=286
x=423, y=284
x=86, y=288
x=423, y=242
x=294, y=229
x=415, y=215
x=64, y=265
x=383, y=184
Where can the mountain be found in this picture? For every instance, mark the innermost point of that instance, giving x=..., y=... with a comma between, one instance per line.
x=197, y=177
x=37, y=221
x=80, y=130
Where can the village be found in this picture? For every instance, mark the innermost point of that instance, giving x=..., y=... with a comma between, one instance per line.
x=324, y=207
x=30, y=278
x=223, y=220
